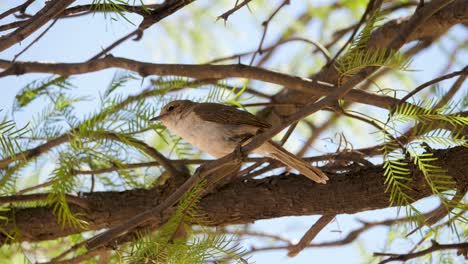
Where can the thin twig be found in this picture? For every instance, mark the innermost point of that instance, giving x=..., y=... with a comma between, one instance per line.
x=416, y=90
x=371, y=6
x=316, y=132
x=115, y=44
x=445, y=208
x=261, y=171
x=462, y=249
x=313, y=231
x=80, y=258
x=351, y=237
x=226, y=14
x=377, y=126
x=272, y=104
x=288, y=133
x=453, y=57
x=35, y=40
x=318, y=46
x=162, y=11
x=48, y=12
x=21, y=8
x=249, y=169
x=239, y=233
x=265, y=28
x=80, y=9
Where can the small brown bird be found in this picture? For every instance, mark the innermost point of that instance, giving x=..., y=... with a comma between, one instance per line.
x=218, y=129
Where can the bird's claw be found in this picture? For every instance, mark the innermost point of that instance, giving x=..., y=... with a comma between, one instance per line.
x=239, y=155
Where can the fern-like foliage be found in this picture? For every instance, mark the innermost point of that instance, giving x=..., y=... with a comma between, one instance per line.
x=398, y=156
x=5, y=219
x=39, y=88
x=49, y=123
x=64, y=183
x=186, y=212
x=200, y=250
x=425, y=114
x=397, y=175
x=360, y=56
x=180, y=147
x=9, y=136
x=379, y=57
x=173, y=83
x=165, y=247
x=92, y=150
x=115, y=6
x=9, y=177
x=120, y=79
x=222, y=93
x=436, y=176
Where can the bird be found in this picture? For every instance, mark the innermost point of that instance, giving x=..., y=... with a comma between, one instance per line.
x=219, y=129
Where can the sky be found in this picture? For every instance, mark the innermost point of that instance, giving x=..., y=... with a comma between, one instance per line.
x=75, y=40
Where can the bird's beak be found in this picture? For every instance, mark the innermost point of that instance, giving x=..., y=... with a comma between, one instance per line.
x=157, y=118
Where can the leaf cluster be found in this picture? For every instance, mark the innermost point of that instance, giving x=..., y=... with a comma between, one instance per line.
x=168, y=246
x=359, y=55
x=401, y=158
x=9, y=135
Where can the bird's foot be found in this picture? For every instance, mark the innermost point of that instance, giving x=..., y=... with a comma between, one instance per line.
x=239, y=155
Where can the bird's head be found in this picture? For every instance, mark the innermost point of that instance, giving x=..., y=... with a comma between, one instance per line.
x=173, y=111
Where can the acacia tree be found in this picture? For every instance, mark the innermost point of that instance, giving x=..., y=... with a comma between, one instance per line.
x=106, y=185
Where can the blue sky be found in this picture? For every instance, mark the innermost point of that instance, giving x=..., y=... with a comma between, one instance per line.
x=75, y=40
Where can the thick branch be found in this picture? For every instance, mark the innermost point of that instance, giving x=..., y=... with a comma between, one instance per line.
x=242, y=201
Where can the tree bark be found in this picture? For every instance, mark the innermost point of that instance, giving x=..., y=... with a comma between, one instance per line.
x=240, y=202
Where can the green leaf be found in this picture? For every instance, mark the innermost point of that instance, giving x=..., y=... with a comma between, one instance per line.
x=120, y=79
x=37, y=88
x=9, y=136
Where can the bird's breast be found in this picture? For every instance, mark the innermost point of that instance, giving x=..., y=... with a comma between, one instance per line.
x=216, y=139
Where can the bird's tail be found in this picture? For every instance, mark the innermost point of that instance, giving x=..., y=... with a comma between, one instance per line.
x=279, y=153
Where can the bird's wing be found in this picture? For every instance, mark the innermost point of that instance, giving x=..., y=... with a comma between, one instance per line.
x=229, y=115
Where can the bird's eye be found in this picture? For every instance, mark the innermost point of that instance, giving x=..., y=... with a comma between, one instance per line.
x=170, y=108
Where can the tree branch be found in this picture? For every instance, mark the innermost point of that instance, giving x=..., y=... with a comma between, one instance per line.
x=231, y=11
x=240, y=202
x=21, y=8
x=50, y=11
x=310, y=234
x=463, y=72
x=462, y=248
x=304, y=85
x=352, y=236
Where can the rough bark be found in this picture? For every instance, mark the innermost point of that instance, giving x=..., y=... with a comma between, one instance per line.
x=242, y=201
